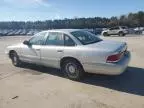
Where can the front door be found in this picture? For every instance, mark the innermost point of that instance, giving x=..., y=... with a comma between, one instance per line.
x=32, y=52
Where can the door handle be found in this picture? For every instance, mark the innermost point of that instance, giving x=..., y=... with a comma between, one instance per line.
x=59, y=50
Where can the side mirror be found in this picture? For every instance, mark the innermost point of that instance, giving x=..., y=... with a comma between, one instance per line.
x=26, y=42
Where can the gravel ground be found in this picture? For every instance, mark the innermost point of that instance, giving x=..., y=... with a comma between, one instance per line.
x=40, y=87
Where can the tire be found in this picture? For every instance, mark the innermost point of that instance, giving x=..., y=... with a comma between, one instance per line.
x=15, y=59
x=73, y=69
x=121, y=34
x=105, y=34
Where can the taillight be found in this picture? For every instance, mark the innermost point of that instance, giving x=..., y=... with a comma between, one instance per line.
x=114, y=58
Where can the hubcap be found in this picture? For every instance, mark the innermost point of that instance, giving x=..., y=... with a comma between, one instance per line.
x=14, y=59
x=71, y=70
x=121, y=34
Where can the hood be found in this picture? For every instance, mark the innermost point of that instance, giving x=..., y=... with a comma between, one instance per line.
x=108, y=45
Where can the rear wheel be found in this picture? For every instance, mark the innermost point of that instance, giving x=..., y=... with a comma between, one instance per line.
x=121, y=34
x=15, y=59
x=105, y=34
x=72, y=69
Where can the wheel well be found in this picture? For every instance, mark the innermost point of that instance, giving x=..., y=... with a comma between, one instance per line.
x=69, y=58
x=105, y=32
x=11, y=52
x=121, y=32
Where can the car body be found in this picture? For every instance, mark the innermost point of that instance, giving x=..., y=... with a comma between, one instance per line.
x=139, y=30
x=119, y=30
x=80, y=50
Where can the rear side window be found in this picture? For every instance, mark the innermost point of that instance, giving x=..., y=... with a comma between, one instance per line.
x=55, y=38
x=124, y=27
x=68, y=41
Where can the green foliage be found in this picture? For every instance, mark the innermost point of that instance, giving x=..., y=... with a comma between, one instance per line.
x=130, y=20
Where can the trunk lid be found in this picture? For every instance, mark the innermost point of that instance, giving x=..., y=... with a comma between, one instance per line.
x=110, y=46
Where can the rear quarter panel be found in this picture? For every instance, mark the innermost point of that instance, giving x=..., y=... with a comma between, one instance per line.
x=86, y=55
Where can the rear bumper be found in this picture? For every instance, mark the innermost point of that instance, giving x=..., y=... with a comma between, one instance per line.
x=109, y=68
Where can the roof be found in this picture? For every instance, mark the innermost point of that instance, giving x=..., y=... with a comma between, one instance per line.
x=63, y=30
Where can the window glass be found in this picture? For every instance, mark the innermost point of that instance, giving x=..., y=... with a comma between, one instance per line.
x=86, y=37
x=55, y=38
x=114, y=28
x=124, y=27
x=38, y=39
x=111, y=29
x=68, y=41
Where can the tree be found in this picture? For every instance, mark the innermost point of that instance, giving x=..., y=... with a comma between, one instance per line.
x=130, y=20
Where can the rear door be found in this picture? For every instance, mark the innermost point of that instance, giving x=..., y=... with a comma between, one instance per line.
x=53, y=50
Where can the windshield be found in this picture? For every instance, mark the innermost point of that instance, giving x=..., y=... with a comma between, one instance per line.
x=86, y=37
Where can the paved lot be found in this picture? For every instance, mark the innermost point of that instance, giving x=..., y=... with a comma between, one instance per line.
x=39, y=87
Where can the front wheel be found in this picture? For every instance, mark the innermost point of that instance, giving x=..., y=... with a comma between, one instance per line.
x=15, y=59
x=73, y=69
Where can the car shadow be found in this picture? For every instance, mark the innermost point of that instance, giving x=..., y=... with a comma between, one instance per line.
x=38, y=70
x=131, y=81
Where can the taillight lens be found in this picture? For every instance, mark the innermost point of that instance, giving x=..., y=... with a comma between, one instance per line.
x=114, y=58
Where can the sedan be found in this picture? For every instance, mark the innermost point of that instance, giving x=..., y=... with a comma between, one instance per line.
x=73, y=51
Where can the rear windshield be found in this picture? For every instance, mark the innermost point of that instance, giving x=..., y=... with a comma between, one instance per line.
x=86, y=37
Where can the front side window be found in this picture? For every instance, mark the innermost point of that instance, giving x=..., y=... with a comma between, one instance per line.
x=38, y=39
x=55, y=38
x=68, y=41
x=86, y=37
x=111, y=29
